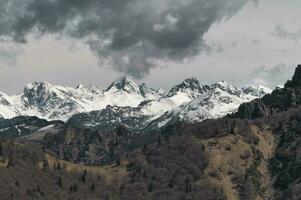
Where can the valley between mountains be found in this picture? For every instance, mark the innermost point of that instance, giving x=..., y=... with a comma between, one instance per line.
x=130, y=142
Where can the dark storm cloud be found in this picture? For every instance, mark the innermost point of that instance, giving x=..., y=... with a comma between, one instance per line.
x=131, y=34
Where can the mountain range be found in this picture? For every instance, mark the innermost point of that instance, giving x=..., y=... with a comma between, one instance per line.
x=54, y=102
x=124, y=99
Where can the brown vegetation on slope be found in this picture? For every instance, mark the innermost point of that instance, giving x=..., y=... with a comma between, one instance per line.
x=26, y=172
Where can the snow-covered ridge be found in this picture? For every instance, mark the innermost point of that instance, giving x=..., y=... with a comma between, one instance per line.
x=217, y=100
x=54, y=102
x=188, y=100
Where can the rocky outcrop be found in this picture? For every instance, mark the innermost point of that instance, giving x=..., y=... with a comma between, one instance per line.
x=280, y=100
x=296, y=81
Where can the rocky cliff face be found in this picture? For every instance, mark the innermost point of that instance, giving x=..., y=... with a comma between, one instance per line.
x=110, y=118
x=280, y=100
x=296, y=81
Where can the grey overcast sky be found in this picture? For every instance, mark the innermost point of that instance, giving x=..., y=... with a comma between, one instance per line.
x=160, y=42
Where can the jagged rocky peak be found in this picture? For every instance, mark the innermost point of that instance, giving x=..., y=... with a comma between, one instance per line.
x=145, y=89
x=43, y=85
x=227, y=87
x=38, y=92
x=188, y=85
x=125, y=84
x=44, y=99
x=259, y=90
x=223, y=85
x=41, y=88
x=148, y=92
x=94, y=89
x=110, y=118
x=296, y=81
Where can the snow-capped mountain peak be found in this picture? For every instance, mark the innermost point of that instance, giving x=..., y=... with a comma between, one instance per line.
x=39, y=92
x=182, y=93
x=89, y=89
x=37, y=84
x=259, y=90
x=148, y=92
x=124, y=84
x=190, y=86
x=226, y=87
